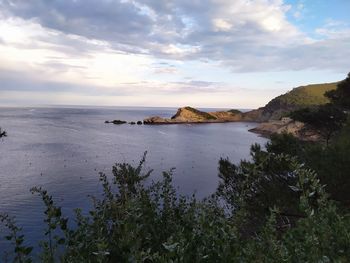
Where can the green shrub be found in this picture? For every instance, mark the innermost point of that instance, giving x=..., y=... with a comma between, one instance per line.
x=132, y=222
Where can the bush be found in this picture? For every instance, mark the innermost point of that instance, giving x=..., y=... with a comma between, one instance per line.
x=135, y=223
x=341, y=96
x=327, y=119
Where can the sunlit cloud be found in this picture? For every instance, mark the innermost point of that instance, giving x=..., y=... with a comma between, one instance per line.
x=167, y=52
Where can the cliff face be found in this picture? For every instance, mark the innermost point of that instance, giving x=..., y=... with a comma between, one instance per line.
x=253, y=116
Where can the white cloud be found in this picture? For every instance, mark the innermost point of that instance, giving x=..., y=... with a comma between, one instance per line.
x=218, y=30
x=29, y=47
x=112, y=46
x=221, y=25
x=334, y=29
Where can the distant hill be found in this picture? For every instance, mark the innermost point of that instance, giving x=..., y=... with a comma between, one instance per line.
x=304, y=96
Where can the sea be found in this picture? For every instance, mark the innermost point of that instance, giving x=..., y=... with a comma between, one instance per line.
x=63, y=150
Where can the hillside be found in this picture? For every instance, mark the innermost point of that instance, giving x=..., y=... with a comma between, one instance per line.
x=297, y=98
x=304, y=96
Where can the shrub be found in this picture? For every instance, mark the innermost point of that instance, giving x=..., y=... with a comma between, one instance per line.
x=132, y=222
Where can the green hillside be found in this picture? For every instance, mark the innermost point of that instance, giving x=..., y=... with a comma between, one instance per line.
x=297, y=98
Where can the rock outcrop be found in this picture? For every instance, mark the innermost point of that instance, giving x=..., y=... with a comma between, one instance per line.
x=117, y=122
x=192, y=115
x=189, y=114
x=156, y=120
x=287, y=125
x=227, y=116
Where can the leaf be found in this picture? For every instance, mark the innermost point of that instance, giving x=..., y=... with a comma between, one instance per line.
x=294, y=188
x=170, y=247
x=325, y=259
x=101, y=253
x=27, y=250
x=312, y=212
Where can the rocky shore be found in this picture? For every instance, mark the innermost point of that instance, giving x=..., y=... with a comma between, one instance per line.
x=287, y=125
x=188, y=115
x=266, y=127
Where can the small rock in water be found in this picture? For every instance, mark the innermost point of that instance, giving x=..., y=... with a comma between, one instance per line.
x=132, y=123
x=116, y=122
x=119, y=122
x=139, y=123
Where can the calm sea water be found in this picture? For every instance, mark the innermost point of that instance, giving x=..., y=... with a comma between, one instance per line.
x=63, y=149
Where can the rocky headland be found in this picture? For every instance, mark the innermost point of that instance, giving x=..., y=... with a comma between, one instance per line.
x=272, y=118
x=187, y=115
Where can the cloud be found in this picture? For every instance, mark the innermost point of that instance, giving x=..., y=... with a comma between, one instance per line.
x=182, y=30
x=19, y=81
x=166, y=70
x=11, y=82
x=244, y=35
x=115, y=48
x=299, y=10
x=334, y=29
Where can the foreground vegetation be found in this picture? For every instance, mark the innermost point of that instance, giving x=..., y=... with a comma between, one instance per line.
x=290, y=203
x=135, y=223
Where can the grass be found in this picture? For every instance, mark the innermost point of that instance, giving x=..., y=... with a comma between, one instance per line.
x=234, y=111
x=305, y=95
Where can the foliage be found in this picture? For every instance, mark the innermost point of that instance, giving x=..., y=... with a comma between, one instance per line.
x=285, y=143
x=21, y=253
x=341, y=96
x=132, y=222
x=53, y=220
x=326, y=119
x=234, y=111
x=332, y=163
x=256, y=186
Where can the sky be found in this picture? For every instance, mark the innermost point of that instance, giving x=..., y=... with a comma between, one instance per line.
x=171, y=53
